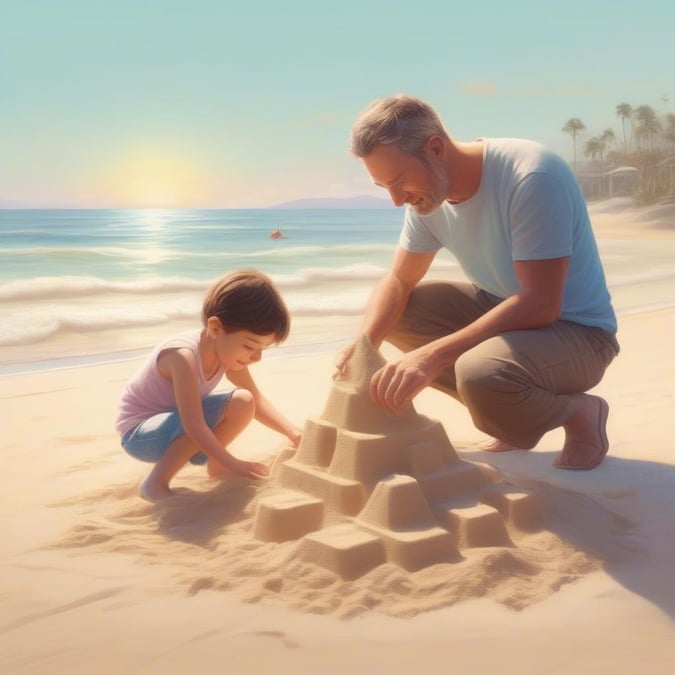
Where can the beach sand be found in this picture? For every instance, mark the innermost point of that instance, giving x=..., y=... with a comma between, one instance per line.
x=94, y=579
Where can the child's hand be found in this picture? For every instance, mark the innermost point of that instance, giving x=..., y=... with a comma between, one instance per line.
x=248, y=469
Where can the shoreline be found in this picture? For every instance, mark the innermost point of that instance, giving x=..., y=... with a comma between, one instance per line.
x=308, y=335
x=74, y=362
x=311, y=338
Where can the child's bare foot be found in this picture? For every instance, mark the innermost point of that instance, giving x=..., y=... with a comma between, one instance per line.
x=586, y=442
x=495, y=445
x=154, y=492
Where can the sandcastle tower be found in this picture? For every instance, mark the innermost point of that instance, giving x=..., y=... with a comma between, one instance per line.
x=367, y=486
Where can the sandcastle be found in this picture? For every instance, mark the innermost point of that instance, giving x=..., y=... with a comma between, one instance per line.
x=367, y=486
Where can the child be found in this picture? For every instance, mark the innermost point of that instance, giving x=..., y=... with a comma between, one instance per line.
x=168, y=413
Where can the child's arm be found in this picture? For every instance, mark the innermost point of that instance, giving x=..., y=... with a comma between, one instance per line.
x=265, y=412
x=178, y=365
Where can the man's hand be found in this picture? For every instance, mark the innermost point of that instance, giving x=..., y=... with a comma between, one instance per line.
x=400, y=380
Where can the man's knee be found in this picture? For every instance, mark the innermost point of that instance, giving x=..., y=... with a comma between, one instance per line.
x=477, y=374
x=497, y=396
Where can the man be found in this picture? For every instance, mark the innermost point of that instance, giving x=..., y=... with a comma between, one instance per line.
x=535, y=328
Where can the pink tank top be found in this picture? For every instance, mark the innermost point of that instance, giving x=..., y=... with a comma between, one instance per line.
x=149, y=392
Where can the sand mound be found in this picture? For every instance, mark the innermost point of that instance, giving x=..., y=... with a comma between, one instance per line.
x=612, y=216
x=612, y=205
x=661, y=215
x=374, y=511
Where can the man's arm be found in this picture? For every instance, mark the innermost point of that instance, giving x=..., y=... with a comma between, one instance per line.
x=537, y=303
x=389, y=299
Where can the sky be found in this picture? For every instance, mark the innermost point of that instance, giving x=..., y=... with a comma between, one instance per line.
x=249, y=103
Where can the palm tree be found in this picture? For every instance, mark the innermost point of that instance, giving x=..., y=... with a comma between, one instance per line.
x=607, y=137
x=648, y=123
x=574, y=126
x=593, y=147
x=625, y=112
x=669, y=131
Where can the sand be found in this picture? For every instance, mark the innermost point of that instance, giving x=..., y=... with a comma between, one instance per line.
x=622, y=217
x=219, y=579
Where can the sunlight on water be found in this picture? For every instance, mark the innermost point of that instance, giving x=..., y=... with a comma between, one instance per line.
x=151, y=219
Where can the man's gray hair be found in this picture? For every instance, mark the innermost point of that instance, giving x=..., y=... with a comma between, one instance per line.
x=402, y=120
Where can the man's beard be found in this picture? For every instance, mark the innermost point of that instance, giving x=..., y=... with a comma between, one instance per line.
x=437, y=194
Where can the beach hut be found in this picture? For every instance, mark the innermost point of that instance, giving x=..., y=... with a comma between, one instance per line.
x=621, y=181
x=603, y=184
x=665, y=170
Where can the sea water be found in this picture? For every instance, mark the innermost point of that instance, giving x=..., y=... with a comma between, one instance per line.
x=70, y=278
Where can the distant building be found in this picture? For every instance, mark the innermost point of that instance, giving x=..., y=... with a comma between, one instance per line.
x=602, y=183
x=665, y=172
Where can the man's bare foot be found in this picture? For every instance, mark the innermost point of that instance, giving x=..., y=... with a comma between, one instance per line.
x=153, y=492
x=586, y=442
x=495, y=445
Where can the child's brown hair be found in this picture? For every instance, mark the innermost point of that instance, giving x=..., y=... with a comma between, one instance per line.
x=247, y=300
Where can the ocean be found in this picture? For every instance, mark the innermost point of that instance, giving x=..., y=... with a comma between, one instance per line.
x=82, y=286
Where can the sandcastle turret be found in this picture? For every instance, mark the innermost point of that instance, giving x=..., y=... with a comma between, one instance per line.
x=368, y=486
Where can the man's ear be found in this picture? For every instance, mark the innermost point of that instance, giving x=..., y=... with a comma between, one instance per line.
x=434, y=145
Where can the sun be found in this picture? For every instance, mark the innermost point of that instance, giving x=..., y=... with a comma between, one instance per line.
x=160, y=179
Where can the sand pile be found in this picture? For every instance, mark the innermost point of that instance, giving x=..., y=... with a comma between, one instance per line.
x=374, y=510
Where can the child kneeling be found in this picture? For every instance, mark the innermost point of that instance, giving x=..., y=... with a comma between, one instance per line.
x=168, y=414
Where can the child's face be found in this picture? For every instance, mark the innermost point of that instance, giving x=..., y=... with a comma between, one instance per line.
x=241, y=349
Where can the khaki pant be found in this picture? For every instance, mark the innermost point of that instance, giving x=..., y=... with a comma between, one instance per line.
x=518, y=385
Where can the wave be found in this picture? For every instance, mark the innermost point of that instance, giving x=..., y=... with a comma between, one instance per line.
x=142, y=251
x=17, y=330
x=30, y=326
x=315, y=275
x=322, y=250
x=44, y=288
x=36, y=322
x=93, y=252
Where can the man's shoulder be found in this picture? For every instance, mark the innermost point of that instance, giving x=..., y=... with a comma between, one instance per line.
x=517, y=148
x=510, y=142
x=519, y=157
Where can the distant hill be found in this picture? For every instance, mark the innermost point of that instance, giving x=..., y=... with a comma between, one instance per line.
x=362, y=202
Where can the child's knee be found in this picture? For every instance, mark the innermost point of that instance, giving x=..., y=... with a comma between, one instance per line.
x=241, y=405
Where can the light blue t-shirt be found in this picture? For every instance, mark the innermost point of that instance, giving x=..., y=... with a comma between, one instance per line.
x=528, y=207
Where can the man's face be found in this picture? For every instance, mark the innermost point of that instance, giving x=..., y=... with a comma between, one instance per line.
x=409, y=179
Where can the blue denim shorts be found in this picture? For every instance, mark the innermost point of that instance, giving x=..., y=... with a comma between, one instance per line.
x=150, y=439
